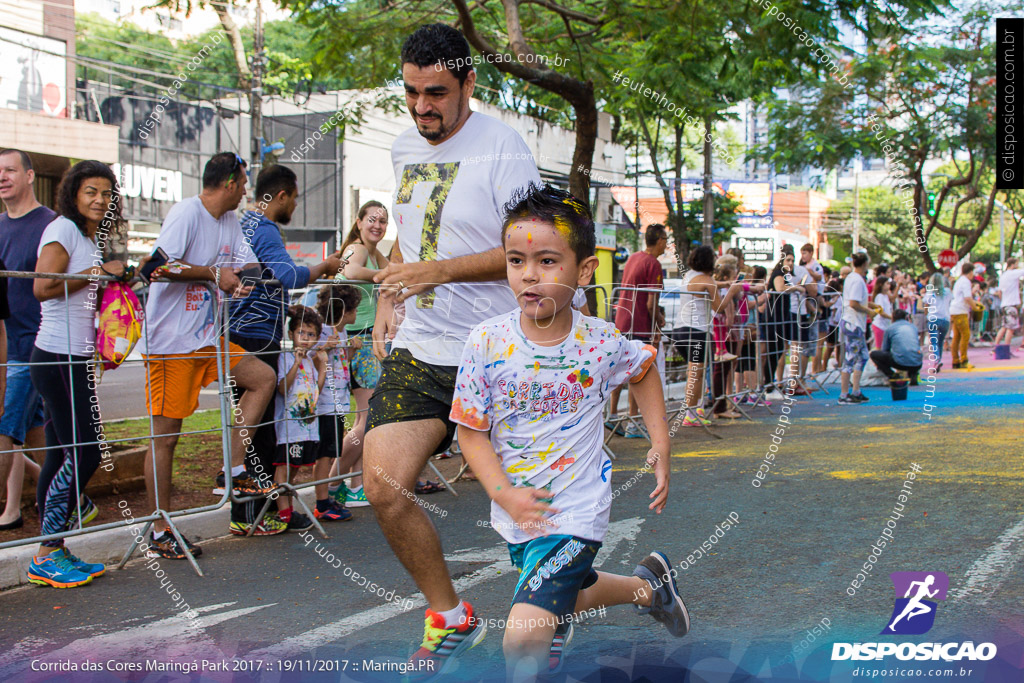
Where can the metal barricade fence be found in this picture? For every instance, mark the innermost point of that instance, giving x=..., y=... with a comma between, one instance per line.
x=102, y=443
x=227, y=409
x=689, y=388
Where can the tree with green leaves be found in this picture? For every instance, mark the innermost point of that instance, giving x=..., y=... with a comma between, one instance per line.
x=555, y=53
x=922, y=91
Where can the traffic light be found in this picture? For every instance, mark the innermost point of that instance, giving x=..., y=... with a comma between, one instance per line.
x=931, y=203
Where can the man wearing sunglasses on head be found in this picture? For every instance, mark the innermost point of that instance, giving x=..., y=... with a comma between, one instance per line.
x=201, y=240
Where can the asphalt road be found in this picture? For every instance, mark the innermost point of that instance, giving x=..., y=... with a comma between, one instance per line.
x=275, y=604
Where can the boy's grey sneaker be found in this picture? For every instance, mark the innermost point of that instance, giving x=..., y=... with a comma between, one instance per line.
x=846, y=401
x=666, y=605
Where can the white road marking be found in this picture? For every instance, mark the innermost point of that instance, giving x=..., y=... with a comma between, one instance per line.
x=170, y=639
x=626, y=529
x=993, y=568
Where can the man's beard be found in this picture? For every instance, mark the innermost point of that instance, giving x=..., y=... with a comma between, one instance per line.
x=442, y=130
x=433, y=135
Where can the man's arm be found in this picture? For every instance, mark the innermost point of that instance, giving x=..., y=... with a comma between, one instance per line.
x=416, y=278
x=859, y=307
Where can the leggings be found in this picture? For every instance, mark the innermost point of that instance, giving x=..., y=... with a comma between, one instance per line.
x=72, y=416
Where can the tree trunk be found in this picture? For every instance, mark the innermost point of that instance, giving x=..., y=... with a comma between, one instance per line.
x=586, y=139
x=237, y=47
x=709, y=202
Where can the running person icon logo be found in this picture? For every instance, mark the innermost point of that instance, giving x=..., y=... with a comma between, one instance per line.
x=916, y=595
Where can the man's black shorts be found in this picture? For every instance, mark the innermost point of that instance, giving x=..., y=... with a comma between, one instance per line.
x=409, y=390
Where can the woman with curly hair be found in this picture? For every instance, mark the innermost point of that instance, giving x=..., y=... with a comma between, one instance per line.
x=89, y=203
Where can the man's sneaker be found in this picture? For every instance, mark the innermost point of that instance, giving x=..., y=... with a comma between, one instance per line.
x=635, y=431
x=847, y=401
x=89, y=512
x=666, y=605
x=559, y=646
x=357, y=498
x=218, y=489
x=442, y=644
x=966, y=366
x=299, y=522
x=93, y=569
x=334, y=513
x=166, y=546
x=246, y=485
x=859, y=398
x=56, y=570
x=268, y=526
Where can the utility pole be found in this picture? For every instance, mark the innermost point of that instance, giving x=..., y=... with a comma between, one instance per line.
x=256, y=96
x=856, y=211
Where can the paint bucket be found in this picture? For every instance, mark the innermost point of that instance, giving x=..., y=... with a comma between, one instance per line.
x=1003, y=352
x=899, y=389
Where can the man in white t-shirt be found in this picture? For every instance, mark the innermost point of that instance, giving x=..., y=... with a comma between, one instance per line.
x=960, y=317
x=203, y=241
x=1009, y=291
x=454, y=171
x=854, y=324
x=803, y=305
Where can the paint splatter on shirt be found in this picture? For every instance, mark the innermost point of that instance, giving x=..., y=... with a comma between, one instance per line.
x=543, y=406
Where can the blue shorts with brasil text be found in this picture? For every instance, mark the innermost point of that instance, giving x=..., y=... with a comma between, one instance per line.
x=553, y=570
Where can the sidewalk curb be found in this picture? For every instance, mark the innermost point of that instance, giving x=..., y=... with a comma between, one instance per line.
x=109, y=546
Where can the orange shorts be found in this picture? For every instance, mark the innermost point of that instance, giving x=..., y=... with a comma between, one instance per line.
x=174, y=379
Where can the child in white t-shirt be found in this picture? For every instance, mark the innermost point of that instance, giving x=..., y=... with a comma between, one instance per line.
x=337, y=305
x=301, y=373
x=528, y=398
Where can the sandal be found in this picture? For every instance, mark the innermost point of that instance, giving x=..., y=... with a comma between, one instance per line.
x=427, y=486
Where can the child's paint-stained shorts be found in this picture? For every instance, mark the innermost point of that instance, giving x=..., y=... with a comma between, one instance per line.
x=553, y=570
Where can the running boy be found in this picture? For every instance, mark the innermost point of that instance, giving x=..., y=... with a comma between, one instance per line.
x=301, y=375
x=528, y=398
x=337, y=305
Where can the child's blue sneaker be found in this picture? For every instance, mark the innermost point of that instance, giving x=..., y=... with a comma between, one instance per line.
x=340, y=494
x=666, y=605
x=56, y=570
x=357, y=498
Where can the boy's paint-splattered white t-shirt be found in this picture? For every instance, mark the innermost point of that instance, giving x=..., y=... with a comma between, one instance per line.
x=295, y=414
x=543, y=406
